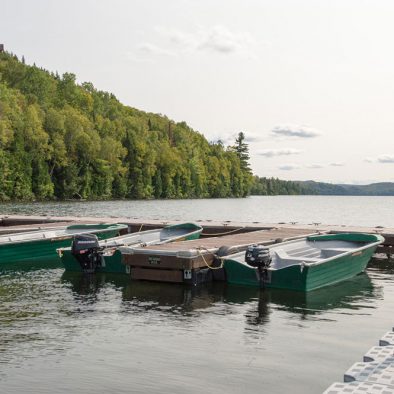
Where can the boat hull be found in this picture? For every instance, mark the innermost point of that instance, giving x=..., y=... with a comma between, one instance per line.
x=301, y=278
x=111, y=263
x=40, y=253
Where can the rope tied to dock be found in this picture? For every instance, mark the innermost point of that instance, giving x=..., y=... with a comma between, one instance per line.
x=214, y=255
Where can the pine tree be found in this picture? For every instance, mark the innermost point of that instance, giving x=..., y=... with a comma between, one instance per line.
x=242, y=149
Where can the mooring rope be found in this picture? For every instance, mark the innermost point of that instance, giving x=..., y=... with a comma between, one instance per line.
x=215, y=256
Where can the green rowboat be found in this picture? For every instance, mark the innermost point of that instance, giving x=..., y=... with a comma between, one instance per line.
x=37, y=249
x=305, y=264
x=105, y=256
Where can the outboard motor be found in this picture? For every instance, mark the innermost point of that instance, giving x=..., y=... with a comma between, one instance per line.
x=86, y=248
x=258, y=256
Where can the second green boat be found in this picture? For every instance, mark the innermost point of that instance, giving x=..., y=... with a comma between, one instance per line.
x=304, y=264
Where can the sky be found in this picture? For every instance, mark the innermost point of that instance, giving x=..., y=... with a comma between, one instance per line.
x=310, y=83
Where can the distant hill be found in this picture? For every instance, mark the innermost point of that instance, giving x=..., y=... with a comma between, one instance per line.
x=263, y=186
x=329, y=189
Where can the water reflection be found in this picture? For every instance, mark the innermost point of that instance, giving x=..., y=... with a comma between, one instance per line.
x=382, y=266
x=349, y=295
x=148, y=296
x=86, y=287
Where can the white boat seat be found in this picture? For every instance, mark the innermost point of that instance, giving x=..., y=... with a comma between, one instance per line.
x=282, y=254
x=283, y=258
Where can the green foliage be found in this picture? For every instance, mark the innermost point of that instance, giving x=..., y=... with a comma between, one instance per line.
x=273, y=186
x=242, y=151
x=62, y=140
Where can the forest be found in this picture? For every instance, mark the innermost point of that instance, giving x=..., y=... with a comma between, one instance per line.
x=64, y=140
x=273, y=186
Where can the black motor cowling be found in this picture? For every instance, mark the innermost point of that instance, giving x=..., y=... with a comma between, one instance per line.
x=258, y=256
x=86, y=248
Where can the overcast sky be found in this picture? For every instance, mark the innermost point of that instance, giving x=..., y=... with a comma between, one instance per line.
x=310, y=83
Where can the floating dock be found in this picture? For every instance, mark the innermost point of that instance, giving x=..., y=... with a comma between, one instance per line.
x=191, y=261
x=374, y=375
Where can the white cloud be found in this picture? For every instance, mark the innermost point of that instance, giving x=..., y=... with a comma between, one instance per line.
x=314, y=166
x=152, y=49
x=218, y=39
x=381, y=159
x=289, y=167
x=386, y=159
x=229, y=138
x=278, y=152
x=337, y=164
x=253, y=138
x=179, y=38
x=295, y=131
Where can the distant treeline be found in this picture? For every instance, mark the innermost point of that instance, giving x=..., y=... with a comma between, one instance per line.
x=329, y=189
x=274, y=186
x=62, y=140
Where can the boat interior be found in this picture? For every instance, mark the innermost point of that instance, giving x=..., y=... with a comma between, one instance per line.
x=177, y=232
x=37, y=235
x=144, y=237
x=307, y=252
x=147, y=237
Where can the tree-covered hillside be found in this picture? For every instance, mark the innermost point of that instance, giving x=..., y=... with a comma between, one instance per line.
x=263, y=186
x=327, y=189
x=273, y=186
x=62, y=140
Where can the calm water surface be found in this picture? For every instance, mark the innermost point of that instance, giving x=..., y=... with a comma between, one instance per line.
x=349, y=210
x=62, y=333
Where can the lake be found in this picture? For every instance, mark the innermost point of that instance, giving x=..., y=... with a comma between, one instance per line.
x=336, y=210
x=62, y=333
